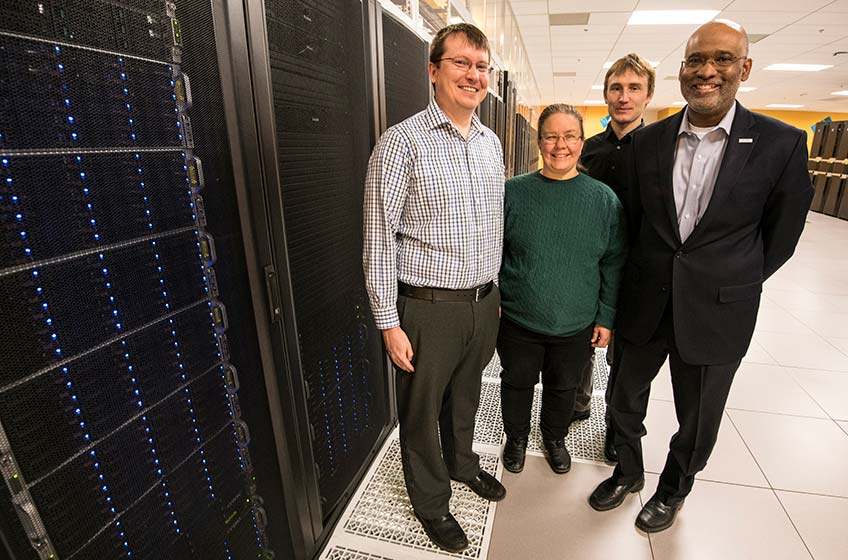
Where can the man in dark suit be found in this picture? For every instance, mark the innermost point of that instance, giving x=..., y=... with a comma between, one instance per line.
x=723, y=195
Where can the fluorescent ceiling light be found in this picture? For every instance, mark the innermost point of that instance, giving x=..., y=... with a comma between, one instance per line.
x=680, y=103
x=594, y=102
x=798, y=67
x=671, y=17
x=456, y=19
x=601, y=88
x=746, y=89
x=783, y=106
x=842, y=92
x=607, y=64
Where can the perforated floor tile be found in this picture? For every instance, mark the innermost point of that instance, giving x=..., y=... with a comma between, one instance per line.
x=493, y=370
x=344, y=553
x=383, y=511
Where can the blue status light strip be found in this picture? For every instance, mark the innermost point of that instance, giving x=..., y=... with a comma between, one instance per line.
x=133, y=136
x=77, y=409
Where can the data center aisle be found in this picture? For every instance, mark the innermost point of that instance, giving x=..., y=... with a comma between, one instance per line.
x=775, y=486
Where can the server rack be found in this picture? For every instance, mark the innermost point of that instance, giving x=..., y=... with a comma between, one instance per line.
x=122, y=430
x=404, y=71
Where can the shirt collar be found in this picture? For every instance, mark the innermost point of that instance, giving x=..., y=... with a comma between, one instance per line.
x=437, y=118
x=613, y=139
x=725, y=123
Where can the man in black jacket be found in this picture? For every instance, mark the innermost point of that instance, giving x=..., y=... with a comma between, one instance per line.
x=723, y=194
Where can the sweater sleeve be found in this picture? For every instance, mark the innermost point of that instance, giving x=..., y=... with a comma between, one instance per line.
x=611, y=265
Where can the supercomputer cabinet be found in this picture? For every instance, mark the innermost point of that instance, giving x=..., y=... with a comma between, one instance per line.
x=121, y=428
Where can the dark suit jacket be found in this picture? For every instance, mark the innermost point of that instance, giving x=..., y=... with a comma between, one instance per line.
x=750, y=228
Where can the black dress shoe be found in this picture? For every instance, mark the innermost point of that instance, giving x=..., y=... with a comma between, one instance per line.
x=610, y=494
x=610, y=454
x=656, y=515
x=486, y=486
x=557, y=455
x=445, y=532
x=514, y=453
x=582, y=415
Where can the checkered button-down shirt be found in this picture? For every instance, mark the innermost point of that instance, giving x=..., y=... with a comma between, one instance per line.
x=433, y=212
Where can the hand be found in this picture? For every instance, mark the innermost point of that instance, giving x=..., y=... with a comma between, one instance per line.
x=400, y=349
x=600, y=336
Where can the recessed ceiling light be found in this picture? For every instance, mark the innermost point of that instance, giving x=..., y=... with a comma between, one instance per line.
x=783, y=106
x=607, y=64
x=798, y=67
x=681, y=103
x=455, y=19
x=746, y=89
x=594, y=102
x=671, y=17
x=842, y=92
x=601, y=88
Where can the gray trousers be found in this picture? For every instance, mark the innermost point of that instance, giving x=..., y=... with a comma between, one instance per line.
x=452, y=342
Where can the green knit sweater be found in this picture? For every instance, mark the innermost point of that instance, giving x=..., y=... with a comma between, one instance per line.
x=564, y=248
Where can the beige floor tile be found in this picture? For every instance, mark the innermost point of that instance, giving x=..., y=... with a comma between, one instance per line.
x=769, y=388
x=546, y=517
x=661, y=387
x=730, y=461
x=798, y=454
x=757, y=354
x=844, y=426
x=829, y=389
x=803, y=351
x=772, y=318
x=825, y=323
x=821, y=522
x=729, y=522
x=841, y=343
x=807, y=300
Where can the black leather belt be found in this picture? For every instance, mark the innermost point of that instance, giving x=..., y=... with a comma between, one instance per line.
x=442, y=294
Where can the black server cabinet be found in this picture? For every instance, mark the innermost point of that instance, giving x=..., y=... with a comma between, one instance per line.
x=405, y=77
x=315, y=56
x=127, y=348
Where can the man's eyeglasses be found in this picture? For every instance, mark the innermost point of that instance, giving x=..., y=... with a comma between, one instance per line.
x=465, y=65
x=570, y=139
x=696, y=62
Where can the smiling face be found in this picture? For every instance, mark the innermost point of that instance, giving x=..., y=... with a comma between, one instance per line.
x=627, y=96
x=560, y=158
x=458, y=92
x=710, y=90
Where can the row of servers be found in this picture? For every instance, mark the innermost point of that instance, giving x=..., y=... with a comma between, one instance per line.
x=189, y=368
x=828, y=167
x=121, y=429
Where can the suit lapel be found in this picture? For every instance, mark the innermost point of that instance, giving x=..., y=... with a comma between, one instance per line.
x=736, y=154
x=667, y=143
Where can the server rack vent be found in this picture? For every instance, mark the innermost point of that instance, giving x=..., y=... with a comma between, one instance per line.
x=120, y=427
x=406, y=80
x=317, y=60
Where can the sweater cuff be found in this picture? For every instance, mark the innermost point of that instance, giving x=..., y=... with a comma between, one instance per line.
x=605, y=316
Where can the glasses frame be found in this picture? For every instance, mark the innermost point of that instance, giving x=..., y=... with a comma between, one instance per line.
x=711, y=60
x=547, y=142
x=462, y=63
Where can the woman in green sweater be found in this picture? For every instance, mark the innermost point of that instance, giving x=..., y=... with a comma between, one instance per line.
x=564, y=247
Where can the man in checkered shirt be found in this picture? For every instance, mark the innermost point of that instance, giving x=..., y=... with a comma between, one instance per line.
x=433, y=228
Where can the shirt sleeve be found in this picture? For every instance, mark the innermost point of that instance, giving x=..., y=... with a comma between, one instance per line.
x=386, y=187
x=611, y=265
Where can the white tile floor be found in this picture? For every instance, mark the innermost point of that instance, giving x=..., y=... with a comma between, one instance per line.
x=776, y=485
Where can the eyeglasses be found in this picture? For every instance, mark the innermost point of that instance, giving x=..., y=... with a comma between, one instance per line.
x=696, y=62
x=569, y=139
x=465, y=65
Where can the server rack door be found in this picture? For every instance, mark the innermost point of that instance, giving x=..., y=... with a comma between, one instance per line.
x=315, y=59
x=121, y=354
x=407, y=84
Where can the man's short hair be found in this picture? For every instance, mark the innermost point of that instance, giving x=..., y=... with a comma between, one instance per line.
x=640, y=67
x=474, y=36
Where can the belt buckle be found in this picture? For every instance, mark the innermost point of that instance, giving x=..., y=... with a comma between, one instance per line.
x=477, y=293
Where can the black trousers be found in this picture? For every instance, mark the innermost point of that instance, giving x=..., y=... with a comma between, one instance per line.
x=700, y=393
x=452, y=342
x=523, y=355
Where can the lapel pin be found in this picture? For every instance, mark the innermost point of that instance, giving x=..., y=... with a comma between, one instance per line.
x=746, y=140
